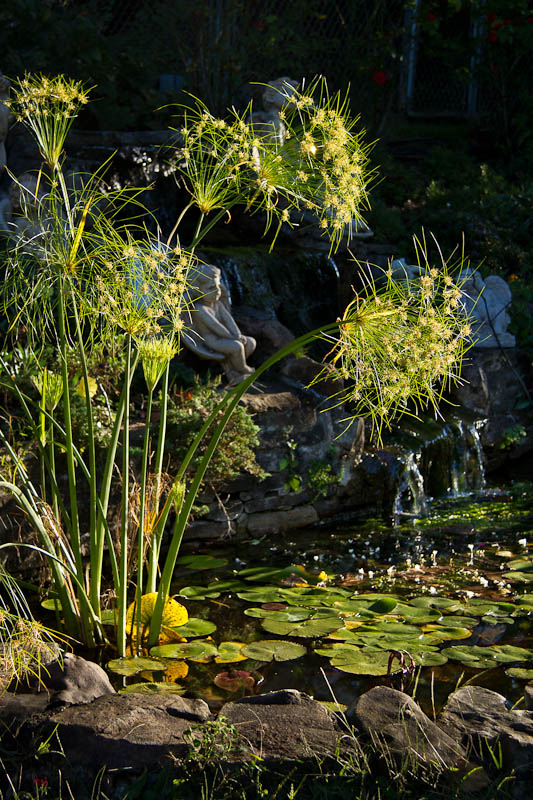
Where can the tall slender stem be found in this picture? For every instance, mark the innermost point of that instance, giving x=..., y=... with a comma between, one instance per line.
x=94, y=592
x=142, y=512
x=157, y=534
x=123, y=565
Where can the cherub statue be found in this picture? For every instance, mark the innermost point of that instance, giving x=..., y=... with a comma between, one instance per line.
x=211, y=332
x=275, y=96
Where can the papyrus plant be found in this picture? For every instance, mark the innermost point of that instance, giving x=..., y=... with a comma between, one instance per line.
x=81, y=276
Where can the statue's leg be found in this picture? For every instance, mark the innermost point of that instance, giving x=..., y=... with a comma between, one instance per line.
x=249, y=346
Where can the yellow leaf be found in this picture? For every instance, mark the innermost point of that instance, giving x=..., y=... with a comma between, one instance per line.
x=93, y=386
x=176, y=671
x=174, y=614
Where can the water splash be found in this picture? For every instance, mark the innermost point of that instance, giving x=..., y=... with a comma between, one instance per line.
x=410, y=498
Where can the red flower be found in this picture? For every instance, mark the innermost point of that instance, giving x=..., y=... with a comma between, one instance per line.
x=506, y=21
x=492, y=17
x=41, y=782
x=380, y=77
x=432, y=17
x=493, y=37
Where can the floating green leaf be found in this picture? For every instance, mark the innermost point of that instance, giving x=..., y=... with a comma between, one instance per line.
x=358, y=661
x=133, y=665
x=385, y=605
x=229, y=652
x=523, y=577
x=273, y=650
x=521, y=564
x=153, y=688
x=290, y=614
x=448, y=632
x=312, y=628
x=429, y=601
x=270, y=574
x=520, y=673
x=198, y=593
x=508, y=652
x=472, y=656
x=194, y=651
x=195, y=627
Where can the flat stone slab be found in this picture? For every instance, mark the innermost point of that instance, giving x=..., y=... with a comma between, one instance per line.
x=285, y=725
x=397, y=721
x=122, y=730
x=482, y=717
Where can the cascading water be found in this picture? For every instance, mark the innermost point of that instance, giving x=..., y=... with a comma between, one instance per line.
x=448, y=464
x=410, y=498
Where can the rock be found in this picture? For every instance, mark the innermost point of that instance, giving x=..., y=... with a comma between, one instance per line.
x=304, y=370
x=482, y=718
x=528, y=696
x=124, y=730
x=273, y=522
x=393, y=719
x=73, y=680
x=284, y=724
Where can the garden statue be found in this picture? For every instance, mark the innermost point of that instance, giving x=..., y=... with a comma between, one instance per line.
x=211, y=332
x=4, y=119
x=486, y=301
x=275, y=96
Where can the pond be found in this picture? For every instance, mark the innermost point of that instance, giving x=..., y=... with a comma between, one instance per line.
x=423, y=606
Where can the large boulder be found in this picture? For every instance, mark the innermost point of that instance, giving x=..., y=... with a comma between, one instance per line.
x=483, y=719
x=394, y=721
x=285, y=724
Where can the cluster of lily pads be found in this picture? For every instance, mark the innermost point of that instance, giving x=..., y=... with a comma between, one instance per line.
x=359, y=633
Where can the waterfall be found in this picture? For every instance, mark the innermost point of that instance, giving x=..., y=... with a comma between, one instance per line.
x=467, y=472
x=448, y=464
x=410, y=498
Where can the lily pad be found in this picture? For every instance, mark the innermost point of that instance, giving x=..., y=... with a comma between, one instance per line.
x=194, y=651
x=358, y=661
x=289, y=614
x=520, y=673
x=508, y=652
x=274, y=650
x=234, y=680
x=417, y=615
x=521, y=564
x=201, y=562
x=523, y=577
x=196, y=627
x=132, y=665
x=270, y=574
x=428, y=658
x=472, y=656
x=429, y=601
x=312, y=628
x=174, y=614
x=385, y=605
x=153, y=688
x=454, y=621
x=229, y=652
x=448, y=632
x=198, y=593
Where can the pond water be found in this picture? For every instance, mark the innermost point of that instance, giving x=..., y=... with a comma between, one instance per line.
x=443, y=597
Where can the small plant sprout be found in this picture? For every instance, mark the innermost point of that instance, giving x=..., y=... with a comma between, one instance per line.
x=471, y=547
